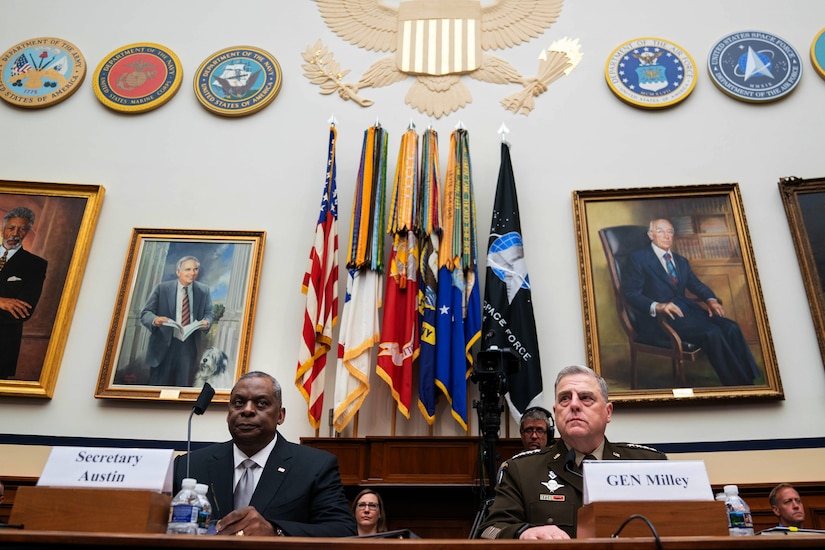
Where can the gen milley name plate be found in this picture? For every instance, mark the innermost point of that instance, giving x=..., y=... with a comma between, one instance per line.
x=41, y=72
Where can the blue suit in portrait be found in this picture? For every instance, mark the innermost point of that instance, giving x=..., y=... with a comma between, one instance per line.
x=22, y=279
x=300, y=489
x=645, y=281
x=172, y=362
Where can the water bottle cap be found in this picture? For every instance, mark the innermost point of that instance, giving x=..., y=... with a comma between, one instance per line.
x=188, y=482
x=731, y=490
x=201, y=488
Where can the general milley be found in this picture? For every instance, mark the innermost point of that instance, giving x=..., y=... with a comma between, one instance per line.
x=540, y=491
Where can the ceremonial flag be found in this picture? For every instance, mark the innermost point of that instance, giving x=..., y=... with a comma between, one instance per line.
x=321, y=289
x=458, y=318
x=399, y=332
x=430, y=228
x=360, y=322
x=508, y=305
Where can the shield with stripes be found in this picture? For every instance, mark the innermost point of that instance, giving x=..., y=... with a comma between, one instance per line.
x=438, y=38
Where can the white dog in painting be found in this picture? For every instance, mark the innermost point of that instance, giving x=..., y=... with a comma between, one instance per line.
x=213, y=368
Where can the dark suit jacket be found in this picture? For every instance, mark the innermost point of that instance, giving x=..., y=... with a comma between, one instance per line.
x=645, y=281
x=22, y=278
x=530, y=481
x=163, y=303
x=300, y=488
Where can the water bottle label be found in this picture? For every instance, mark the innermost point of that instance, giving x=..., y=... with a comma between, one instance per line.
x=184, y=513
x=737, y=519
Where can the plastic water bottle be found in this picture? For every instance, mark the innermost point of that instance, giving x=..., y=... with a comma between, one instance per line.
x=740, y=521
x=184, y=510
x=205, y=513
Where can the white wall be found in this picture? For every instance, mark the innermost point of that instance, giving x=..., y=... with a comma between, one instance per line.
x=578, y=137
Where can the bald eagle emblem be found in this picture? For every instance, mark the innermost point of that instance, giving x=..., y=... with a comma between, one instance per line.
x=437, y=42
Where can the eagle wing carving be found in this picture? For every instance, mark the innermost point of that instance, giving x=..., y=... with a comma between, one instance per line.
x=369, y=24
x=507, y=23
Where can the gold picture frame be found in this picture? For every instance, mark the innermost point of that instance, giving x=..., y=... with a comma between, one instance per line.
x=57, y=244
x=804, y=200
x=642, y=359
x=224, y=298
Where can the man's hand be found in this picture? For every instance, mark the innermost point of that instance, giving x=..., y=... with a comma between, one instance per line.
x=670, y=309
x=247, y=520
x=543, y=532
x=158, y=321
x=18, y=308
x=715, y=308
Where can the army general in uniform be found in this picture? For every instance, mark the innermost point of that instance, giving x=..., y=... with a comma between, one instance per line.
x=540, y=491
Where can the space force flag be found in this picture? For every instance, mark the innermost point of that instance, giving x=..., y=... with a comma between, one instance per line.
x=508, y=305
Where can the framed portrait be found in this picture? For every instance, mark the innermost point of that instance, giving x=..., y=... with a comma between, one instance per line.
x=671, y=301
x=184, y=314
x=47, y=234
x=804, y=201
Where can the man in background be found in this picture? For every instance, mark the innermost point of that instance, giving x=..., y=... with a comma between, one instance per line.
x=536, y=428
x=260, y=483
x=21, y=282
x=172, y=356
x=787, y=506
x=540, y=492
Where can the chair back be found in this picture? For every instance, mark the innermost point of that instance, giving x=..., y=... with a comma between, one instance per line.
x=619, y=242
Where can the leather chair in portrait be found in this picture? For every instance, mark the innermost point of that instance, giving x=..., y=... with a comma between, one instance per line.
x=619, y=242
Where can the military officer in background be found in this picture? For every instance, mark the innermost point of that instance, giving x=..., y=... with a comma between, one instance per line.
x=540, y=492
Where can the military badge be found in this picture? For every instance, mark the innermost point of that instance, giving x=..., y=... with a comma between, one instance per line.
x=551, y=484
x=238, y=81
x=818, y=53
x=651, y=73
x=754, y=66
x=138, y=78
x=41, y=72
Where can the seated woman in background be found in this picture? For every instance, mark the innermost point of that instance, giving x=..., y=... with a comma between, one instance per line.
x=368, y=508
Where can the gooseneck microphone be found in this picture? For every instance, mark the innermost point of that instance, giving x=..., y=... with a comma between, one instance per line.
x=198, y=408
x=570, y=463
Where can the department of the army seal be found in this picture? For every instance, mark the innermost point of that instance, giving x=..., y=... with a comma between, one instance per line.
x=238, y=81
x=650, y=72
x=818, y=53
x=138, y=78
x=41, y=72
x=754, y=66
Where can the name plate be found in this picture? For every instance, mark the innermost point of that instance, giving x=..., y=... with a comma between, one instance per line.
x=109, y=468
x=634, y=480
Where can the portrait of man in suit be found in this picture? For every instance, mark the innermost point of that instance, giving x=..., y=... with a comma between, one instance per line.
x=170, y=313
x=655, y=283
x=21, y=283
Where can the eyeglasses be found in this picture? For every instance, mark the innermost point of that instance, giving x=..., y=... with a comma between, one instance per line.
x=370, y=505
x=537, y=431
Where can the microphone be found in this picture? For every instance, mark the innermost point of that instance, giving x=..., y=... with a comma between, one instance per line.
x=198, y=408
x=570, y=462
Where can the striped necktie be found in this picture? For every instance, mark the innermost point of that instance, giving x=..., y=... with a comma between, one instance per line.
x=4, y=258
x=671, y=268
x=185, y=315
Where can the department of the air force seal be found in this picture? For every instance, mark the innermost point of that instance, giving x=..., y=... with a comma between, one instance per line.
x=818, y=53
x=138, y=78
x=754, y=66
x=238, y=81
x=41, y=72
x=650, y=73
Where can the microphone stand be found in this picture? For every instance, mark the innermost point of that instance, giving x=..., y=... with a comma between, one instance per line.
x=198, y=408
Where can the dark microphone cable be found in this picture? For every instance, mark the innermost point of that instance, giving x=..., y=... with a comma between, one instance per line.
x=644, y=519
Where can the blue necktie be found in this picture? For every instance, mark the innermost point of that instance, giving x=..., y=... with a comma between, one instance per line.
x=671, y=269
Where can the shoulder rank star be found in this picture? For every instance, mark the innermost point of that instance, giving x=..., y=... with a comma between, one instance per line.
x=551, y=483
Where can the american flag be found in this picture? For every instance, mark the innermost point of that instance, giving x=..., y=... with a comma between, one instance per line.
x=21, y=66
x=321, y=288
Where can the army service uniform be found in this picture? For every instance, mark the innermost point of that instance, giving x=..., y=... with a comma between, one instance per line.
x=537, y=489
